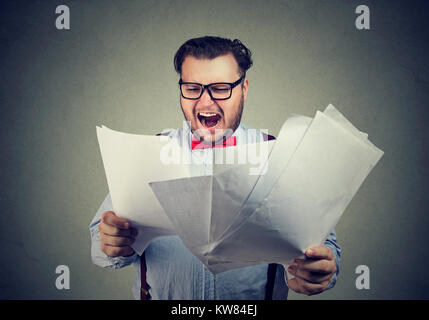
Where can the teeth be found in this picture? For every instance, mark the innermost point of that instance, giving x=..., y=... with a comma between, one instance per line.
x=207, y=114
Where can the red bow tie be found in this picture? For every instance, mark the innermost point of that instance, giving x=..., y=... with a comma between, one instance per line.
x=197, y=144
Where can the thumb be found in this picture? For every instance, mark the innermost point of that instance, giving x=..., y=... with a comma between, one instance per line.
x=111, y=219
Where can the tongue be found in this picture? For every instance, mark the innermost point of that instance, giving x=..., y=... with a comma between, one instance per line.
x=211, y=121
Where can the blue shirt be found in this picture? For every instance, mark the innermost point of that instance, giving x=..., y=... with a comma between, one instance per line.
x=173, y=272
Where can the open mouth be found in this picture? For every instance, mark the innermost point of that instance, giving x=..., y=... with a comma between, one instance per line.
x=209, y=119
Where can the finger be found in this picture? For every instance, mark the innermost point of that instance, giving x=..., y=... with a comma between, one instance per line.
x=116, y=241
x=309, y=288
x=115, y=231
x=318, y=266
x=293, y=284
x=301, y=286
x=320, y=252
x=312, y=277
x=110, y=218
x=117, y=251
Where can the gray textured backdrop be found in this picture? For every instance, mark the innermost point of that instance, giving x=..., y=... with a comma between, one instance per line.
x=114, y=67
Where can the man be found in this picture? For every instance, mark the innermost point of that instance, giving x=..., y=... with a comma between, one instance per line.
x=213, y=88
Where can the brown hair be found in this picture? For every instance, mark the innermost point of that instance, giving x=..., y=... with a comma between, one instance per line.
x=209, y=47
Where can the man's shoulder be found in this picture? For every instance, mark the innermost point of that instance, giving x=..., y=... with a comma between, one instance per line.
x=268, y=137
x=172, y=133
x=249, y=131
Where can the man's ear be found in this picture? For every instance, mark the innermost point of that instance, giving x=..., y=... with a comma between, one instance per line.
x=245, y=88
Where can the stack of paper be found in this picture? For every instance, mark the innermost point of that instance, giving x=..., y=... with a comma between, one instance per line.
x=234, y=217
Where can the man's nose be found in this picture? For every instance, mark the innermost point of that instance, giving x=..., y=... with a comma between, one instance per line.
x=205, y=98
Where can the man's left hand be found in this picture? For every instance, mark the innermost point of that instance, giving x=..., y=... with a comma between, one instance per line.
x=312, y=275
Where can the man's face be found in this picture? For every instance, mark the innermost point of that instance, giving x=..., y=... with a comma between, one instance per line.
x=228, y=112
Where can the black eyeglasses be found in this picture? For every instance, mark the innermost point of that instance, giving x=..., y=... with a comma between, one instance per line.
x=217, y=90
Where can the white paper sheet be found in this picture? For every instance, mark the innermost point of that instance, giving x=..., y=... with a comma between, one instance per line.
x=306, y=203
x=232, y=219
x=131, y=162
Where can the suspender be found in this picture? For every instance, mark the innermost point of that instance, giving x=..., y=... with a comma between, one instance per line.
x=144, y=291
x=271, y=277
x=271, y=272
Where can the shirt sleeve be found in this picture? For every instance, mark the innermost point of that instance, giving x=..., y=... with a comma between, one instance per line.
x=331, y=243
x=98, y=257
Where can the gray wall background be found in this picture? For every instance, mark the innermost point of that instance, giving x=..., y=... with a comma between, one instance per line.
x=114, y=67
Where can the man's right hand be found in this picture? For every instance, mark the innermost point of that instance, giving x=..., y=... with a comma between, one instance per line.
x=116, y=235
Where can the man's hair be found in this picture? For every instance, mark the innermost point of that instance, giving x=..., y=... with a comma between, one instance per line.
x=211, y=47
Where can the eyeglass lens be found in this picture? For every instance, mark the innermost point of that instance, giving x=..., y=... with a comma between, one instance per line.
x=194, y=91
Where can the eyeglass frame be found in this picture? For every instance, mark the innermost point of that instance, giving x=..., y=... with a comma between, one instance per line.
x=207, y=86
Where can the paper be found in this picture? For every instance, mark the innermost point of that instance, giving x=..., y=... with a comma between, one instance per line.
x=131, y=162
x=239, y=216
x=306, y=203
